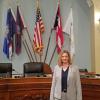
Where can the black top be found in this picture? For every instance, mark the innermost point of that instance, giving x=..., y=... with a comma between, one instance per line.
x=64, y=80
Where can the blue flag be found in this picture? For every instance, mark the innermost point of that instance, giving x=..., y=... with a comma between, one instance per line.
x=8, y=47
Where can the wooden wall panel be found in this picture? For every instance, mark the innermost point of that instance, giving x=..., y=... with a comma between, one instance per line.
x=38, y=88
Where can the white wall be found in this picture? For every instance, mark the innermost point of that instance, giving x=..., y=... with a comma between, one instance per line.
x=48, y=10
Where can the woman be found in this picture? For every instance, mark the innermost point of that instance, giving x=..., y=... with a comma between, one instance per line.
x=66, y=83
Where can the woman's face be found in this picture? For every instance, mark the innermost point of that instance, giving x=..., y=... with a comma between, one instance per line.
x=65, y=58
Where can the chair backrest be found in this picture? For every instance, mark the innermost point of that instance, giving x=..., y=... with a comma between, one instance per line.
x=83, y=70
x=32, y=68
x=35, y=68
x=5, y=69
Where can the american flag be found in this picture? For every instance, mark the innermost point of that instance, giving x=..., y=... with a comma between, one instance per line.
x=58, y=28
x=38, y=30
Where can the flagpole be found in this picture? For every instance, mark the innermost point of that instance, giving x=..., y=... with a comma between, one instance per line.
x=37, y=3
x=41, y=52
x=59, y=35
x=31, y=42
x=27, y=51
x=27, y=47
x=22, y=27
x=52, y=55
x=58, y=1
x=48, y=45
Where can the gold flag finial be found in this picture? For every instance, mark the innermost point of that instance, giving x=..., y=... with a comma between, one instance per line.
x=37, y=3
x=58, y=1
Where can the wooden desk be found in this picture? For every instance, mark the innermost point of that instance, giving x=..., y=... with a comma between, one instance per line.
x=91, y=88
x=38, y=88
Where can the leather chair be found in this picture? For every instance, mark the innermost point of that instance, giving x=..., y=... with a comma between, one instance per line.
x=35, y=69
x=5, y=70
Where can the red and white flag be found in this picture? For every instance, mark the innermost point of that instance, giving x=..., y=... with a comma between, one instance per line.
x=38, y=30
x=58, y=28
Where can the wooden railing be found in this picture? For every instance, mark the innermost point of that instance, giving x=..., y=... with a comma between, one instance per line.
x=38, y=88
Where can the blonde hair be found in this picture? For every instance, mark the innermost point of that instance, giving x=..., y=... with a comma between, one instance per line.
x=60, y=56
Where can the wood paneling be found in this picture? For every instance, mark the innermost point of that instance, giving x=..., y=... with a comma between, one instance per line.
x=90, y=88
x=38, y=88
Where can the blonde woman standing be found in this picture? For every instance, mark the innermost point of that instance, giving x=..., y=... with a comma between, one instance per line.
x=66, y=83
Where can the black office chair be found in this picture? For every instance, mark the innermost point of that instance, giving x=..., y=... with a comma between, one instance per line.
x=36, y=69
x=5, y=70
x=33, y=69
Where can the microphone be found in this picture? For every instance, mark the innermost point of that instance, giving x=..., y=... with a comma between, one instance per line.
x=16, y=71
x=17, y=74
